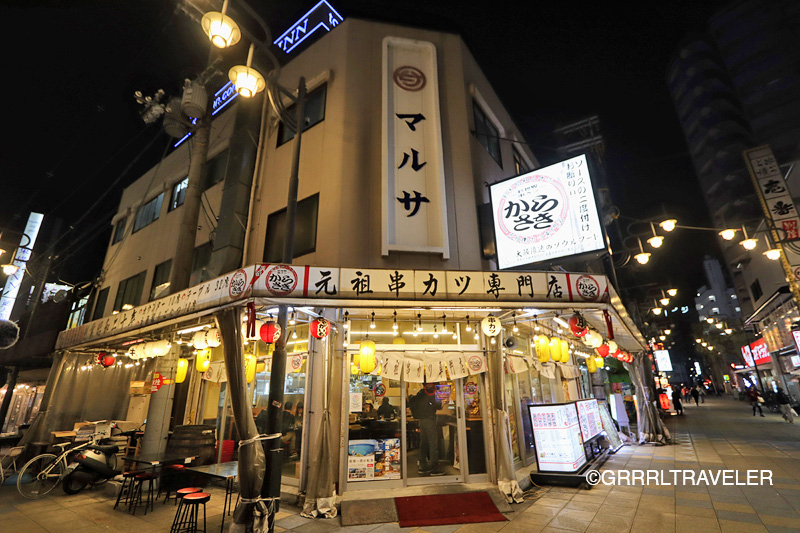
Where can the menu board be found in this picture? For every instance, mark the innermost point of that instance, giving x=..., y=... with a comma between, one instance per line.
x=373, y=459
x=589, y=418
x=557, y=435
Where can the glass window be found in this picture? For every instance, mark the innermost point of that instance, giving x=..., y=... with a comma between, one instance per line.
x=519, y=164
x=119, y=230
x=214, y=170
x=178, y=194
x=305, y=231
x=314, y=111
x=160, y=285
x=77, y=313
x=100, y=305
x=129, y=292
x=200, y=259
x=487, y=133
x=148, y=213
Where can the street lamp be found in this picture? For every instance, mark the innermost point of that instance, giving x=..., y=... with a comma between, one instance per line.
x=642, y=257
x=728, y=234
x=247, y=80
x=668, y=225
x=656, y=240
x=672, y=292
x=220, y=28
x=747, y=243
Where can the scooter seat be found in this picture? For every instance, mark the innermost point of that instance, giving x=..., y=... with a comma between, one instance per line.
x=106, y=450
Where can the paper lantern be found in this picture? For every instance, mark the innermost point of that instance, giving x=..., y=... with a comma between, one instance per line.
x=612, y=346
x=183, y=367
x=260, y=367
x=214, y=338
x=554, y=347
x=270, y=332
x=564, y=351
x=578, y=325
x=199, y=340
x=106, y=359
x=100, y=356
x=399, y=340
x=599, y=362
x=250, y=367
x=491, y=326
x=367, y=356
x=592, y=339
x=542, y=348
x=591, y=366
x=320, y=328
x=354, y=369
x=203, y=360
x=159, y=348
x=602, y=350
x=136, y=351
x=256, y=328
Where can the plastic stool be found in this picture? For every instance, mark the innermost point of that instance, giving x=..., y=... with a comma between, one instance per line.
x=188, y=511
x=127, y=486
x=137, y=492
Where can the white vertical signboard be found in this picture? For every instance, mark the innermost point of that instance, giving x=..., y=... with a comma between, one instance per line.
x=23, y=253
x=413, y=199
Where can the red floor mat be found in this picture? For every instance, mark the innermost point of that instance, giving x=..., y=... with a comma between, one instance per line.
x=441, y=509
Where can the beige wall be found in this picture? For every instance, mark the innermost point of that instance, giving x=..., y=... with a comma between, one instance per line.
x=341, y=156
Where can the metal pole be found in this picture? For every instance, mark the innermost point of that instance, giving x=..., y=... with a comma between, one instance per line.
x=272, y=481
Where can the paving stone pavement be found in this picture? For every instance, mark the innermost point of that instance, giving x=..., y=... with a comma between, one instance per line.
x=719, y=435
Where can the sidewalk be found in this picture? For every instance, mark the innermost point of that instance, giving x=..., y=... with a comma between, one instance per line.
x=720, y=434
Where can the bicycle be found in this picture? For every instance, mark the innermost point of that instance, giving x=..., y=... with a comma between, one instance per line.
x=47, y=470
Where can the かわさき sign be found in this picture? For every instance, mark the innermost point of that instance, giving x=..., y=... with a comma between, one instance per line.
x=546, y=214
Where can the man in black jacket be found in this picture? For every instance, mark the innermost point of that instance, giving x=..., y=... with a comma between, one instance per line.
x=423, y=408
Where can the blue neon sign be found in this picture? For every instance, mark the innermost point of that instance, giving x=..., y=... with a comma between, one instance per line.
x=321, y=16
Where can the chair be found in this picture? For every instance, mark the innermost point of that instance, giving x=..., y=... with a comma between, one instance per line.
x=179, y=519
x=136, y=500
x=186, y=521
x=13, y=453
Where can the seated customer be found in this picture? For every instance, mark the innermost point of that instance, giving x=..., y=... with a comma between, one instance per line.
x=386, y=409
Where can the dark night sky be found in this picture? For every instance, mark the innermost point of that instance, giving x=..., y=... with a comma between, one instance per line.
x=71, y=124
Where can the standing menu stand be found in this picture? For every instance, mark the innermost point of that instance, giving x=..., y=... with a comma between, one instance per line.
x=567, y=438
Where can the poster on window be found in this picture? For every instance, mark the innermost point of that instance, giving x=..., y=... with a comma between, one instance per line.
x=546, y=214
x=373, y=459
x=589, y=418
x=557, y=436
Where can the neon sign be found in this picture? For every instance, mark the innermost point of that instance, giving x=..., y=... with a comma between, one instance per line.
x=222, y=98
x=321, y=16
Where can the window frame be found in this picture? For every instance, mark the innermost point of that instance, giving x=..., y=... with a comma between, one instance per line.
x=121, y=298
x=119, y=230
x=157, y=202
x=153, y=282
x=489, y=138
x=278, y=235
x=282, y=129
x=178, y=195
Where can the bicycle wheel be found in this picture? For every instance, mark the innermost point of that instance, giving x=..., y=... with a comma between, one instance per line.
x=39, y=476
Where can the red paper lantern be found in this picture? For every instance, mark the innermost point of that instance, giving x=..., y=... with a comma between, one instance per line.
x=320, y=328
x=602, y=350
x=107, y=360
x=270, y=332
x=100, y=356
x=578, y=325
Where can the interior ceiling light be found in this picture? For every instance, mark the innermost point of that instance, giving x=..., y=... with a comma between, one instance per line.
x=668, y=225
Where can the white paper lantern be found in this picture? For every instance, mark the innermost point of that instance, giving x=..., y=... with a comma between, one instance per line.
x=199, y=340
x=491, y=326
x=612, y=347
x=160, y=348
x=213, y=338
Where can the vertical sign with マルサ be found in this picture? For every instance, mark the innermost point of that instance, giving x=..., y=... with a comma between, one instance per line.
x=412, y=194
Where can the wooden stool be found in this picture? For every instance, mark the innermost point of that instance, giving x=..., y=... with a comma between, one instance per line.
x=188, y=511
x=127, y=486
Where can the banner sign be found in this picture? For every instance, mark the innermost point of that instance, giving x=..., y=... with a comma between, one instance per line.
x=413, y=200
x=546, y=214
x=757, y=352
x=663, y=360
x=293, y=281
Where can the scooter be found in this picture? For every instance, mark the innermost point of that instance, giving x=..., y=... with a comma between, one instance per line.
x=93, y=465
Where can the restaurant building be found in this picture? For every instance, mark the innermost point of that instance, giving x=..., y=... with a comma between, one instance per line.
x=394, y=246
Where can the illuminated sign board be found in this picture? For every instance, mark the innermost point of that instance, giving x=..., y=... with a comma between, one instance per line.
x=320, y=17
x=697, y=368
x=546, y=214
x=662, y=360
x=589, y=418
x=20, y=260
x=222, y=98
x=747, y=355
x=557, y=435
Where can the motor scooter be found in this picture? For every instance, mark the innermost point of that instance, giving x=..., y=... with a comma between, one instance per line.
x=92, y=465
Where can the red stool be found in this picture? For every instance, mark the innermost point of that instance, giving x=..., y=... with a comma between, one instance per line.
x=127, y=486
x=179, y=495
x=188, y=511
x=137, y=492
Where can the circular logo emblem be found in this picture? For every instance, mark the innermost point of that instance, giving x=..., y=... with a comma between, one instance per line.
x=158, y=380
x=471, y=387
x=238, y=284
x=380, y=390
x=281, y=280
x=533, y=209
x=588, y=288
x=475, y=363
x=409, y=78
x=797, y=273
x=296, y=362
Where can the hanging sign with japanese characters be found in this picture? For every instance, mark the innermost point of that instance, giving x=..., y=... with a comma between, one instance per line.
x=546, y=214
x=413, y=199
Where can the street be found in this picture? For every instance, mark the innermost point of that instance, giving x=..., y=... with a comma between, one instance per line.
x=719, y=435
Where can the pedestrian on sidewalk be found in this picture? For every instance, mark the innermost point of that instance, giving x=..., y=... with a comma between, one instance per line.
x=696, y=396
x=702, y=394
x=676, y=401
x=785, y=405
x=755, y=399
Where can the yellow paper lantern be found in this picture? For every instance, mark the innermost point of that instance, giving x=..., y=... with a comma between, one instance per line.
x=367, y=356
x=260, y=367
x=203, y=360
x=183, y=366
x=564, y=351
x=555, y=349
x=542, y=348
x=250, y=367
x=354, y=369
x=399, y=340
x=591, y=366
x=599, y=362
